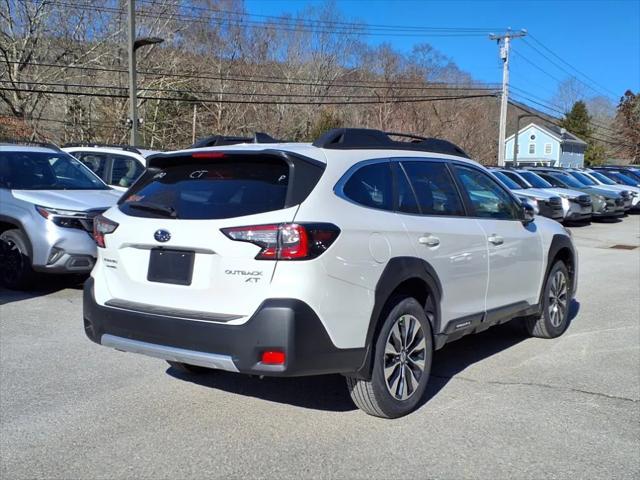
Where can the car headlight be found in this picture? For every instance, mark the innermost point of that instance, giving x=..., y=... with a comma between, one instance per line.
x=63, y=218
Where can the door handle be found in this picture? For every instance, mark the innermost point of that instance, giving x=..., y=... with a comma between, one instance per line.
x=429, y=240
x=496, y=239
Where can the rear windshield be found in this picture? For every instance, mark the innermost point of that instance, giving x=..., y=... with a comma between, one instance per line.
x=210, y=190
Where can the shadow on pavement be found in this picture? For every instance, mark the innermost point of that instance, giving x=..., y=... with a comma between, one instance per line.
x=45, y=285
x=329, y=392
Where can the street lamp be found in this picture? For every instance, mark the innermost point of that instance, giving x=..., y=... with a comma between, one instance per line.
x=134, y=45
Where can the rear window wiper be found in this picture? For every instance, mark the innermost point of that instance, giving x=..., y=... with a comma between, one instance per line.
x=154, y=207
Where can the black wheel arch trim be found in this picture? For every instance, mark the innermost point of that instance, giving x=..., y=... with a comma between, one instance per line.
x=558, y=243
x=397, y=271
x=18, y=224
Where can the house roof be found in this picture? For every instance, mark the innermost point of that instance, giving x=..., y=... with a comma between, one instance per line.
x=560, y=134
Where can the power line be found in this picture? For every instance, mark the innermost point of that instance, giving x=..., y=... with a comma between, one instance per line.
x=556, y=109
x=607, y=140
x=263, y=79
x=568, y=64
x=194, y=92
x=269, y=25
x=253, y=101
x=325, y=22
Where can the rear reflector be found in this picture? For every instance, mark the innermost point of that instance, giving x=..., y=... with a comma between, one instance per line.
x=273, y=358
x=287, y=241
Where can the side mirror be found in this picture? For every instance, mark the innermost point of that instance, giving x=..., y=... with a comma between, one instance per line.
x=528, y=213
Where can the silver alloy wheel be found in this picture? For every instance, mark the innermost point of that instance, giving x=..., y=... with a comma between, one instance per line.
x=404, y=357
x=557, y=298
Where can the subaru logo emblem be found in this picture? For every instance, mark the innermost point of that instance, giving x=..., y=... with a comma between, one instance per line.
x=162, y=236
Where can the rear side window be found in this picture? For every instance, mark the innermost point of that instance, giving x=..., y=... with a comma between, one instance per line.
x=125, y=170
x=434, y=188
x=210, y=190
x=371, y=186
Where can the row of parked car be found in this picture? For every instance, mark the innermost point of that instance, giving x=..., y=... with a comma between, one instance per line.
x=574, y=195
x=43, y=187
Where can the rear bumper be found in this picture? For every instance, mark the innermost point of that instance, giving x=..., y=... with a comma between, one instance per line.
x=286, y=325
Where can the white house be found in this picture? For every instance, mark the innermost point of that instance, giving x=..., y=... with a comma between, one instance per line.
x=549, y=146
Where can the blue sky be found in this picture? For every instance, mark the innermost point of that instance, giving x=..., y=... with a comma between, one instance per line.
x=599, y=38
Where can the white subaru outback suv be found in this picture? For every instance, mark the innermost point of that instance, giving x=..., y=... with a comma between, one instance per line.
x=356, y=254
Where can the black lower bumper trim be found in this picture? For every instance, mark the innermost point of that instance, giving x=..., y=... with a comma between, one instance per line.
x=287, y=325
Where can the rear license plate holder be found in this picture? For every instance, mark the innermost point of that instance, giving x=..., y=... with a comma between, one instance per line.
x=171, y=266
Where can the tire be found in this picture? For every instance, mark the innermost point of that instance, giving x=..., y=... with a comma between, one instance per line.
x=386, y=395
x=16, y=271
x=556, y=300
x=186, y=368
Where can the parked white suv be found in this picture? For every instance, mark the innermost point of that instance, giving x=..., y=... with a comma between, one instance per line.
x=117, y=165
x=356, y=254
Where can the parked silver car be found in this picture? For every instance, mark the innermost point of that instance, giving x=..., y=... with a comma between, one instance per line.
x=48, y=200
x=576, y=205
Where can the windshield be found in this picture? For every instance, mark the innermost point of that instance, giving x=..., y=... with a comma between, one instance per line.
x=603, y=178
x=511, y=185
x=568, y=180
x=624, y=179
x=582, y=178
x=45, y=171
x=535, y=180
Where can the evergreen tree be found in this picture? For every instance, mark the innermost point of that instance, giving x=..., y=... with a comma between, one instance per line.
x=578, y=122
x=628, y=124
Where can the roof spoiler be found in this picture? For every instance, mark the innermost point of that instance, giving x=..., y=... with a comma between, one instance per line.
x=223, y=140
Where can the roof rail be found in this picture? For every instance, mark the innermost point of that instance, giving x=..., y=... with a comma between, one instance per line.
x=34, y=143
x=127, y=148
x=221, y=140
x=365, y=138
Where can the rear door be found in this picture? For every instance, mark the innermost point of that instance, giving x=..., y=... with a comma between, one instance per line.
x=169, y=249
x=515, y=249
x=453, y=244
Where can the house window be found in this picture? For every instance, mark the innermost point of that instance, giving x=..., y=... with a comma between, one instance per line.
x=547, y=149
x=532, y=149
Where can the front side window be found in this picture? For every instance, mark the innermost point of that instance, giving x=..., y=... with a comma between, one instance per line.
x=434, y=188
x=28, y=170
x=97, y=162
x=487, y=198
x=371, y=186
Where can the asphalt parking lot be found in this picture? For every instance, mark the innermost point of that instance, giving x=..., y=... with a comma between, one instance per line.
x=499, y=405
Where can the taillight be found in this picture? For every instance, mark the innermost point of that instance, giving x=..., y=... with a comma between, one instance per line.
x=101, y=227
x=287, y=241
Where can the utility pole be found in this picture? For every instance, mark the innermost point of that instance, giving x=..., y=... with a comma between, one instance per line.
x=133, y=94
x=504, y=42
